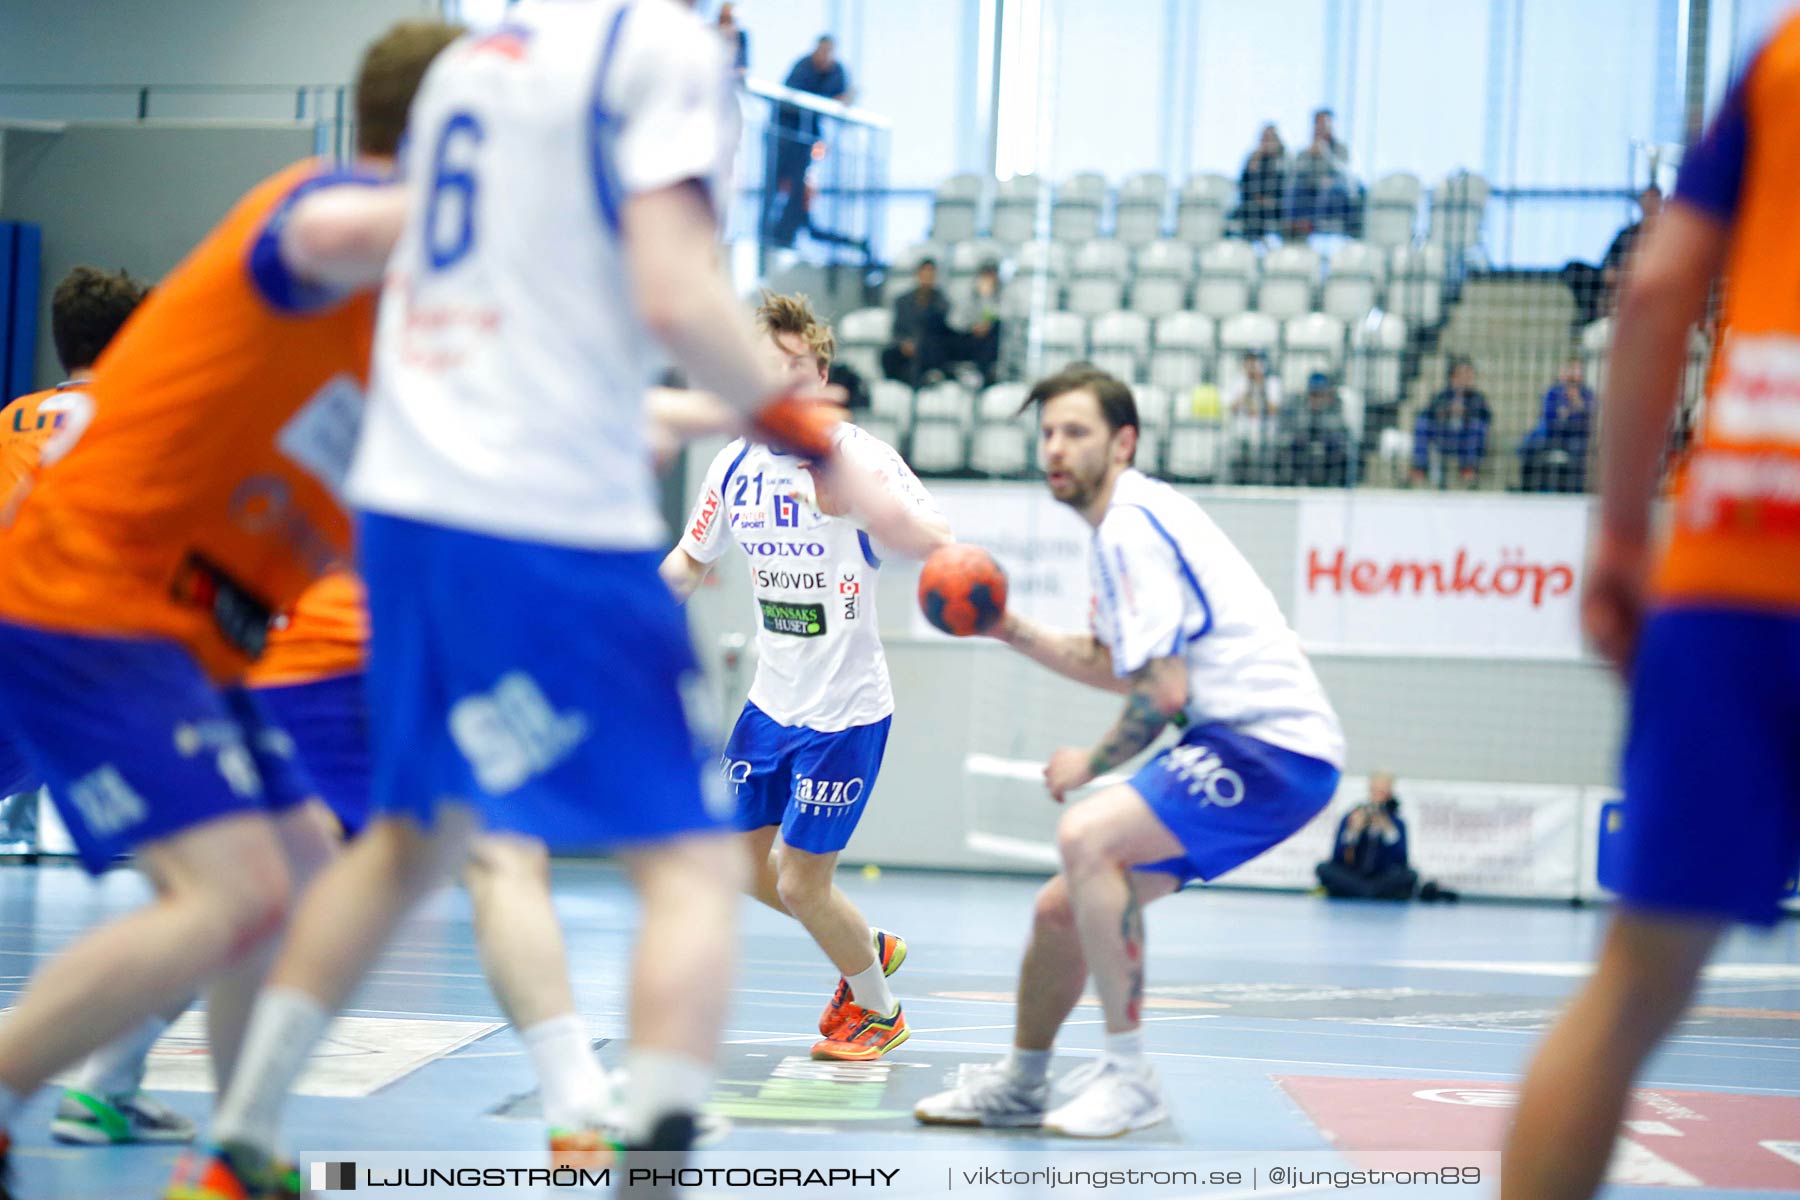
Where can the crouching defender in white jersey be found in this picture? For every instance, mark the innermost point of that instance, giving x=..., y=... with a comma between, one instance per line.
x=527, y=667
x=803, y=757
x=1185, y=627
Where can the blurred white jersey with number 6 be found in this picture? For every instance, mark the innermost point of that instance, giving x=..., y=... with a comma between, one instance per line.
x=510, y=363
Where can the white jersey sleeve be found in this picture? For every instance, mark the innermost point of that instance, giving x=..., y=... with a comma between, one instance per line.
x=1141, y=587
x=675, y=107
x=868, y=454
x=704, y=537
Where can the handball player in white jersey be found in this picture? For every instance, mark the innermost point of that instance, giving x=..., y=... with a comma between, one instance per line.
x=805, y=753
x=1185, y=628
x=528, y=670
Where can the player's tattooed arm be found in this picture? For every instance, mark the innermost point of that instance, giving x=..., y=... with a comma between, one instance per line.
x=1159, y=693
x=1078, y=656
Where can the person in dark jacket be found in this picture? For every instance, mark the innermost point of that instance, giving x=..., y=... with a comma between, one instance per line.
x=791, y=137
x=1451, y=432
x=1262, y=185
x=921, y=329
x=1369, y=860
x=1553, y=456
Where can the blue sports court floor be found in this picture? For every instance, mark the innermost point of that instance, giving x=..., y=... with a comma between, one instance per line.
x=1278, y=1023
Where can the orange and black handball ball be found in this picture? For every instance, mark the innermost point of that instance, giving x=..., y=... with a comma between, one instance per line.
x=962, y=590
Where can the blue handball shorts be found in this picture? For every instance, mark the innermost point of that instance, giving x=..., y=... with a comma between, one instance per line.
x=134, y=741
x=329, y=724
x=548, y=686
x=1711, y=820
x=16, y=772
x=1228, y=797
x=814, y=785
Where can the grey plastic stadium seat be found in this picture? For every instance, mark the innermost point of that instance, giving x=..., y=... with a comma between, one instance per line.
x=882, y=429
x=1063, y=340
x=891, y=400
x=946, y=401
x=1195, y=452
x=1042, y=258
x=861, y=336
x=1102, y=258
x=1289, y=274
x=1154, y=405
x=1377, y=355
x=966, y=258
x=1182, y=349
x=939, y=447
x=1227, y=274
x=1200, y=210
x=1138, y=218
x=1392, y=213
x=956, y=209
x=1310, y=342
x=1000, y=401
x=1015, y=210
x=1075, y=208
x=1119, y=343
x=1416, y=283
x=1354, y=285
x=1094, y=296
x=1000, y=448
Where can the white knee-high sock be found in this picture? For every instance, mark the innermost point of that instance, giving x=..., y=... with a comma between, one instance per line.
x=284, y=1027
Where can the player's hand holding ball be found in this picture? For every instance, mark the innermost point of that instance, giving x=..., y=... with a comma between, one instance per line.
x=962, y=590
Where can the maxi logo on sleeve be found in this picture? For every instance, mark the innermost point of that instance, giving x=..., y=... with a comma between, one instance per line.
x=796, y=620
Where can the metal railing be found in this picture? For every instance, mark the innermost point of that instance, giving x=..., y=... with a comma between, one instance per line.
x=822, y=168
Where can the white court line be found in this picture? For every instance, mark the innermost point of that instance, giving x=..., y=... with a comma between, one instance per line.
x=1065, y=1024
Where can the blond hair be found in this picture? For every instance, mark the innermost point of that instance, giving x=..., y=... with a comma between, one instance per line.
x=794, y=314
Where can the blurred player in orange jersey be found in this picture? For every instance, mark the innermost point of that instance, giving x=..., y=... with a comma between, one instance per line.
x=1709, y=637
x=87, y=309
x=105, y=1102
x=190, y=495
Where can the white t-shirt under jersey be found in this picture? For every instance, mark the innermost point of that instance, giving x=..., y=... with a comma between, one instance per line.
x=510, y=362
x=820, y=663
x=1167, y=581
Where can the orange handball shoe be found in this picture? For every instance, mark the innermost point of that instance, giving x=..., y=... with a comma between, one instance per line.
x=864, y=1036
x=890, y=952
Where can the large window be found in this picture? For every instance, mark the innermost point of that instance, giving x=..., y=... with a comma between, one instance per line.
x=1253, y=63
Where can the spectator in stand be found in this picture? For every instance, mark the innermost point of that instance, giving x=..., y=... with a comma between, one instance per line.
x=737, y=41
x=1369, y=858
x=1262, y=185
x=1619, y=254
x=1318, y=190
x=1251, y=411
x=792, y=136
x=921, y=342
x=976, y=324
x=1451, y=431
x=1315, y=438
x=1596, y=288
x=1553, y=456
